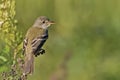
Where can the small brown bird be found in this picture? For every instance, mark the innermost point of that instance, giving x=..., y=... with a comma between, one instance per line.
x=33, y=42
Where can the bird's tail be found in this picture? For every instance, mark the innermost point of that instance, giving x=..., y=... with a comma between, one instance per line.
x=29, y=64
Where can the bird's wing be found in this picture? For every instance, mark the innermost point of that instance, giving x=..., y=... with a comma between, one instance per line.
x=38, y=42
x=25, y=42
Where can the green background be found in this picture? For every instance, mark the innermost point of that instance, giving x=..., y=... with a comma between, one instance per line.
x=87, y=30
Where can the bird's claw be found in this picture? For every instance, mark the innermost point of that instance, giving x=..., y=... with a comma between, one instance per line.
x=41, y=51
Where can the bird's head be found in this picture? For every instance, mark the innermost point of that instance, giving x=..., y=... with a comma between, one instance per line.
x=43, y=22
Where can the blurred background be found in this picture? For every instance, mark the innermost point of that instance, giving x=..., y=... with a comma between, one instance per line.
x=84, y=42
x=88, y=31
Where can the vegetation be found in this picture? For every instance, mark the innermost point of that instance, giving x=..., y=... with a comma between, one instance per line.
x=10, y=41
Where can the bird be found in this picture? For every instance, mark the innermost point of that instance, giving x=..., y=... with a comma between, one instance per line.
x=34, y=39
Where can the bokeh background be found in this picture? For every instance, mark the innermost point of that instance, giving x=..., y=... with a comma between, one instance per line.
x=84, y=42
x=87, y=30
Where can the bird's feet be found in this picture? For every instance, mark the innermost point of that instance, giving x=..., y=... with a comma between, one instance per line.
x=41, y=51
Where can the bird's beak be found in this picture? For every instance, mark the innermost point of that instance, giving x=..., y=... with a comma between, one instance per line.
x=51, y=22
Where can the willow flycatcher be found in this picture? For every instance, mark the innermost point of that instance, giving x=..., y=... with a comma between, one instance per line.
x=35, y=37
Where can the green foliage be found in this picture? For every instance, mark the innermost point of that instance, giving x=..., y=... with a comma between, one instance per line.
x=10, y=38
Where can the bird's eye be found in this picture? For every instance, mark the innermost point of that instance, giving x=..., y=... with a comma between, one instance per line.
x=43, y=21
